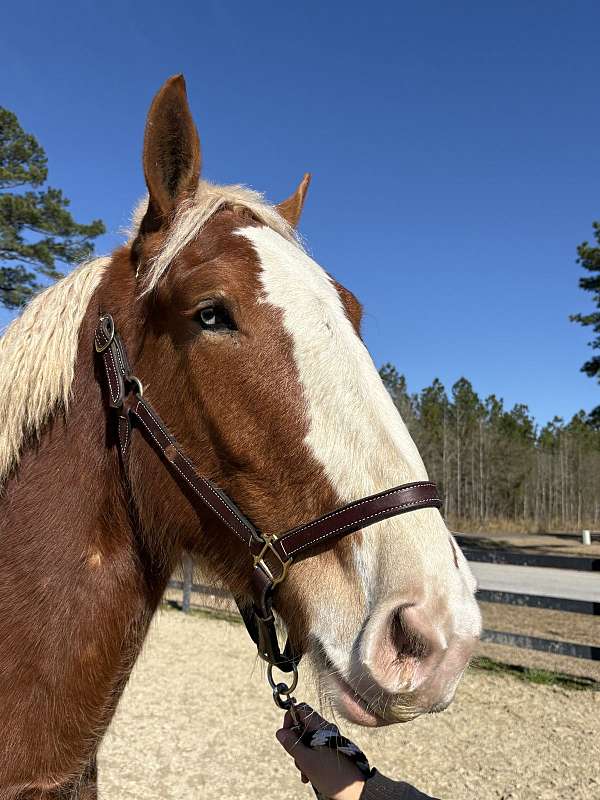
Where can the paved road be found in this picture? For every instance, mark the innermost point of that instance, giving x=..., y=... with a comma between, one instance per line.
x=566, y=583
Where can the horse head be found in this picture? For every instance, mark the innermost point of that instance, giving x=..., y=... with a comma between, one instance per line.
x=252, y=353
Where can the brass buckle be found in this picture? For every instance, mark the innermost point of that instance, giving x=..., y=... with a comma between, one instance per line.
x=259, y=559
x=100, y=348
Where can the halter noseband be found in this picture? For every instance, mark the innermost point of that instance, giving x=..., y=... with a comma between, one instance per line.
x=272, y=554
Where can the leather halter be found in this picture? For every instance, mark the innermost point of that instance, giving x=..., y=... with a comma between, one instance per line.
x=271, y=554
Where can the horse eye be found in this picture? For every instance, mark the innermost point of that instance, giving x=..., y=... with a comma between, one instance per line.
x=215, y=318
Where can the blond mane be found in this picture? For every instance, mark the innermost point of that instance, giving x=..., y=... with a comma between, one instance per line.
x=37, y=359
x=38, y=351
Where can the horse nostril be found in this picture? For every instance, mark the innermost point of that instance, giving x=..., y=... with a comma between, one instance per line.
x=401, y=647
x=407, y=641
x=406, y=644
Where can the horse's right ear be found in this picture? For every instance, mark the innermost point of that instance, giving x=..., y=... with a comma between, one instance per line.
x=171, y=154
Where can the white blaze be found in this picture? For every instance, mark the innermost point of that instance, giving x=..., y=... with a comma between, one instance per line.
x=354, y=430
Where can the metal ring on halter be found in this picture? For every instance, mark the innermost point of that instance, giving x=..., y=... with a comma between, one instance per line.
x=140, y=387
x=277, y=686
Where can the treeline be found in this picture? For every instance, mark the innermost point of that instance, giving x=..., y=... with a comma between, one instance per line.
x=495, y=467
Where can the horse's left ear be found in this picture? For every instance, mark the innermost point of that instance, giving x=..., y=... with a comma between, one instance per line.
x=171, y=153
x=291, y=209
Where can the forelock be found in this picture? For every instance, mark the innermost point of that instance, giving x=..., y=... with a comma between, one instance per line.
x=194, y=213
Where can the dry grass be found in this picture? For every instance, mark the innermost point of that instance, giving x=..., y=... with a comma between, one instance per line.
x=506, y=525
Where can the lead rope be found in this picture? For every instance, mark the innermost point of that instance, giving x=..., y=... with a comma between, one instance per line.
x=322, y=739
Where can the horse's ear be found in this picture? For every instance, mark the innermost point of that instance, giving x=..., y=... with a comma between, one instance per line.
x=171, y=153
x=291, y=209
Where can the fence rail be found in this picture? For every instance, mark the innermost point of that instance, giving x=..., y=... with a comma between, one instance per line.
x=555, y=646
x=525, y=559
x=539, y=601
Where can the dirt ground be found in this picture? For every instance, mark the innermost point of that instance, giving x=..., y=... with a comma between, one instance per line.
x=197, y=721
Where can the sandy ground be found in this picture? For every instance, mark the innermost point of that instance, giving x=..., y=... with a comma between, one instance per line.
x=197, y=721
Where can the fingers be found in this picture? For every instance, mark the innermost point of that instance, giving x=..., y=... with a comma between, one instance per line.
x=309, y=718
x=306, y=760
x=326, y=770
x=303, y=777
x=288, y=739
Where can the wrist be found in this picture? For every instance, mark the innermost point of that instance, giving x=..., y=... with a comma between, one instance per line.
x=352, y=792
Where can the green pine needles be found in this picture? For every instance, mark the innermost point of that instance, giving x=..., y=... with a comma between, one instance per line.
x=37, y=231
x=589, y=258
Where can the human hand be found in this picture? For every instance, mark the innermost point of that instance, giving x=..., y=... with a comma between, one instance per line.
x=331, y=773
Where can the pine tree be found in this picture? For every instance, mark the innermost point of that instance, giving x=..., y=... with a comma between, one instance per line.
x=494, y=466
x=465, y=411
x=589, y=258
x=37, y=231
x=395, y=383
x=433, y=433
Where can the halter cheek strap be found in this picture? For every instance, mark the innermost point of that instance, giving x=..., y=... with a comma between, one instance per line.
x=271, y=554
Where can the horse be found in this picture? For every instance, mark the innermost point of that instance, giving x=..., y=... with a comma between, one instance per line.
x=252, y=353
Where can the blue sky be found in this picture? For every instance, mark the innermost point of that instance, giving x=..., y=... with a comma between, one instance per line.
x=454, y=149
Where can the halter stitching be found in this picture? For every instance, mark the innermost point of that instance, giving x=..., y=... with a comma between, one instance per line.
x=364, y=519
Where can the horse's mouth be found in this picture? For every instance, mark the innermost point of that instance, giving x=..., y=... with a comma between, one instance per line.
x=345, y=699
x=380, y=711
x=353, y=706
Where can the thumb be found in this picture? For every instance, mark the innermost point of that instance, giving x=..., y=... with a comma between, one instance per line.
x=307, y=760
x=287, y=738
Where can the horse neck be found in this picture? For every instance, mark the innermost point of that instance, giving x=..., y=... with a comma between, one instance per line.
x=78, y=585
